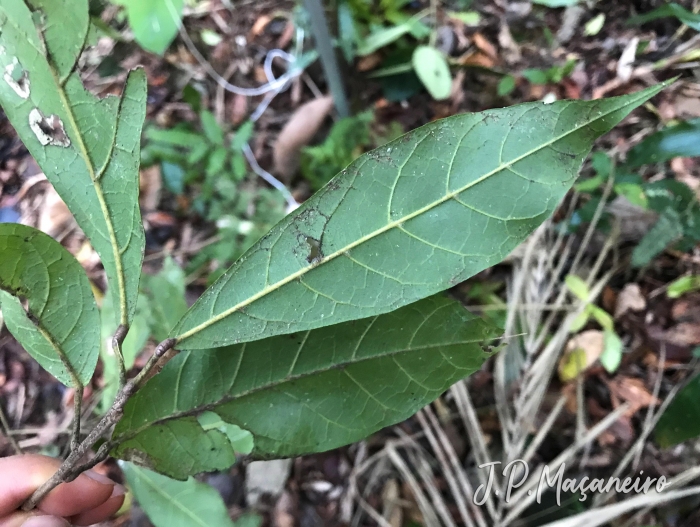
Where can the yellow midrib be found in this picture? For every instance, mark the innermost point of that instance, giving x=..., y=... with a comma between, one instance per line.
x=301, y=272
x=121, y=283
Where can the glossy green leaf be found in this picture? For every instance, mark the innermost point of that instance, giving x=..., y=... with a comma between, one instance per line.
x=414, y=217
x=681, y=420
x=171, y=503
x=48, y=304
x=87, y=147
x=305, y=392
x=612, y=351
x=681, y=140
x=670, y=9
x=154, y=22
x=433, y=71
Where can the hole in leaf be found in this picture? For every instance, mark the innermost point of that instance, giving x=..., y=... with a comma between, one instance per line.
x=48, y=130
x=17, y=78
x=315, y=253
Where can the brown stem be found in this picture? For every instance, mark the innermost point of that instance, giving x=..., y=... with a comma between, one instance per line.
x=67, y=471
x=77, y=409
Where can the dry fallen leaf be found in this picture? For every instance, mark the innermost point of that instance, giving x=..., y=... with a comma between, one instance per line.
x=259, y=26
x=683, y=334
x=150, y=184
x=369, y=62
x=481, y=42
x=391, y=510
x=582, y=351
x=511, y=51
x=632, y=391
x=629, y=299
x=297, y=133
x=55, y=218
x=624, y=65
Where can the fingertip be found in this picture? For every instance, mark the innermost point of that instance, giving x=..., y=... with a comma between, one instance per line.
x=87, y=491
x=46, y=521
x=22, y=475
x=32, y=519
x=104, y=511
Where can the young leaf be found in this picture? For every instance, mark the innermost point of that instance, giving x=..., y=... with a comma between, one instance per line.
x=612, y=352
x=578, y=287
x=170, y=503
x=433, y=71
x=305, y=392
x=87, y=147
x=48, y=304
x=154, y=22
x=405, y=221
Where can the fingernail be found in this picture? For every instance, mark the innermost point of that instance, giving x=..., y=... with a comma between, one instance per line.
x=45, y=521
x=96, y=476
x=118, y=490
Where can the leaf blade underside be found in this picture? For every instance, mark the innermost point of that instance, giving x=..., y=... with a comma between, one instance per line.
x=58, y=324
x=87, y=147
x=300, y=393
x=405, y=221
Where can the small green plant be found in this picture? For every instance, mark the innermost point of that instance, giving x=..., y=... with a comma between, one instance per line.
x=348, y=138
x=409, y=63
x=612, y=348
x=553, y=75
x=207, y=165
x=678, y=226
x=328, y=328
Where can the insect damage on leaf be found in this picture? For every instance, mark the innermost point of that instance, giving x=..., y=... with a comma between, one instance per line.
x=48, y=130
x=16, y=77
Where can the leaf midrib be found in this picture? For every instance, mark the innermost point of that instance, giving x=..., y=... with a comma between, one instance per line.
x=290, y=378
x=92, y=174
x=301, y=272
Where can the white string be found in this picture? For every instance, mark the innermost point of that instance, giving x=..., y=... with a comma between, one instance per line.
x=270, y=90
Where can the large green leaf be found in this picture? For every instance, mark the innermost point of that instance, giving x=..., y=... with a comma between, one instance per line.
x=87, y=147
x=171, y=503
x=304, y=392
x=47, y=303
x=405, y=221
